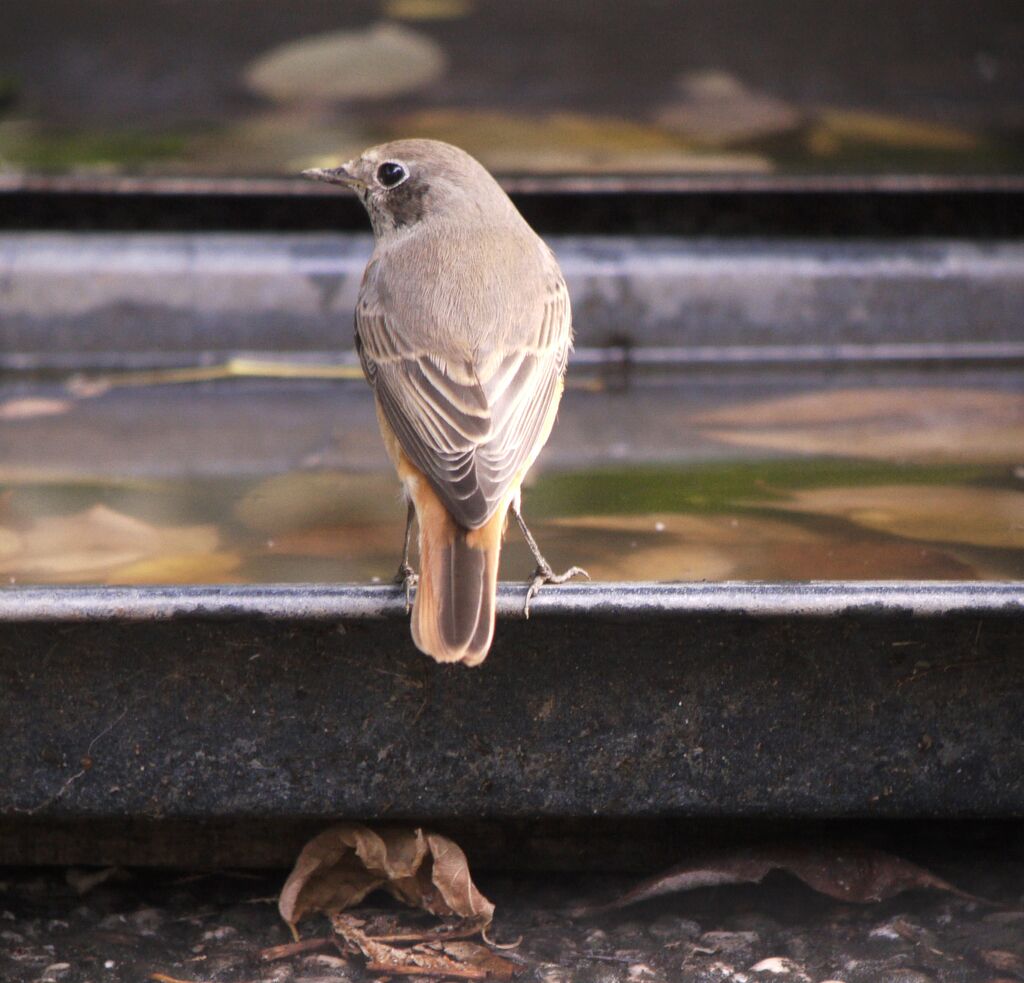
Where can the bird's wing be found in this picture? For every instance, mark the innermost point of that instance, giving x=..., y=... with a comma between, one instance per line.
x=470, y=425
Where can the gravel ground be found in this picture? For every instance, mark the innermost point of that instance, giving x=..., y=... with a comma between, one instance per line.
x=61, y=926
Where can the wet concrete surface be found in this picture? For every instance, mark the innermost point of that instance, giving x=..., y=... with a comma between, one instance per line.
x=202, y=928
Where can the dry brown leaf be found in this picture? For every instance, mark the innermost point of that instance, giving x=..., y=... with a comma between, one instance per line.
x=1004, y=961
x=338, y=868
x=848, y=873
x=461, y=960
x=479, y=956
x=289, y=949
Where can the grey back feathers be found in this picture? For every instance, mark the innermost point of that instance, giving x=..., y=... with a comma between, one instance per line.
x=463, y=323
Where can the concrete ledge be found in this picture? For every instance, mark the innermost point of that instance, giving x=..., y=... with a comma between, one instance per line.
x=85, y=295
x=673, y=701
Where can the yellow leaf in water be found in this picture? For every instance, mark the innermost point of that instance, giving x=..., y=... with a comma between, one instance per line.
x=179, y=568
x=427, y=9
x=895, y=131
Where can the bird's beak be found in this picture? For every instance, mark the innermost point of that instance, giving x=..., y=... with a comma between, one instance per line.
x=335, y=175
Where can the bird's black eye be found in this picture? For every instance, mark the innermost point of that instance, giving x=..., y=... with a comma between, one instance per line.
x=389, y=174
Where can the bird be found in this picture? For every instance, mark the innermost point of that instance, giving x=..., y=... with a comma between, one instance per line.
x=463, y=328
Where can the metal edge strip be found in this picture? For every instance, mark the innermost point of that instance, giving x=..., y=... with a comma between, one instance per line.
x=660, y=356
x=372, y=602
x=670, y=183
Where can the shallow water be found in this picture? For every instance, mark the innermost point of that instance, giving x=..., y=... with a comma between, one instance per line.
x=767, y=520
x=695, y=478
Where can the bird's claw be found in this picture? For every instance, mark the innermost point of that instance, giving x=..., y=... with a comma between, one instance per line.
x=407, y=578
x=545, y=575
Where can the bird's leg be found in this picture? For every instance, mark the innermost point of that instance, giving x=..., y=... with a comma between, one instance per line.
x=543, y=574
x=406, y=576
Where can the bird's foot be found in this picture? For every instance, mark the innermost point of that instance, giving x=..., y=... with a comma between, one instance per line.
x=407, y=578
x=545, y=575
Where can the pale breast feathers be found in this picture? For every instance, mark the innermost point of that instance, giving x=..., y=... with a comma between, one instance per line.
x=471, y=417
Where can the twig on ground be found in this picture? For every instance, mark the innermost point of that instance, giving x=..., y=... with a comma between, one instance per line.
x=288, y=949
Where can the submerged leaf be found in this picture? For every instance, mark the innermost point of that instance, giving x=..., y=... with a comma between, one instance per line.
x=102, y=545
x=924, y=424
x=848, y=873
x=338, y=868
x=375, y=62
x=968, y=515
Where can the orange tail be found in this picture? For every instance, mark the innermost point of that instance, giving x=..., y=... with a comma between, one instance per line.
x=453, y=615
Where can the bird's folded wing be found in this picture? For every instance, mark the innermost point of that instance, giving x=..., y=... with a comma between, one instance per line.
x=471, y=426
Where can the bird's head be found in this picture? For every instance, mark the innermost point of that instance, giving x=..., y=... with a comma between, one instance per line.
x=406, y=183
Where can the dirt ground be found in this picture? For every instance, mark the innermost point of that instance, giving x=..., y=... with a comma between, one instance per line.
x=69, y=926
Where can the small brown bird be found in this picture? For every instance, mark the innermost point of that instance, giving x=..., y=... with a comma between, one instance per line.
x=463, y=329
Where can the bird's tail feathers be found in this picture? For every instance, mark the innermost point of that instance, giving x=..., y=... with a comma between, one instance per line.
x=453, y=614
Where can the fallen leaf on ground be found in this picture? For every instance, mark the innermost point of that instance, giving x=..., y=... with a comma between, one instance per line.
x=289, y=949
x=462, y=960
x=341, y=866
x=1004, y=961
x=848, y=873
x=83, y=881
x=474, y=954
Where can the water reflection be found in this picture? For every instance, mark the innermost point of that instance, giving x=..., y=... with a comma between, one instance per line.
x=766, y=520
x=678, y=476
